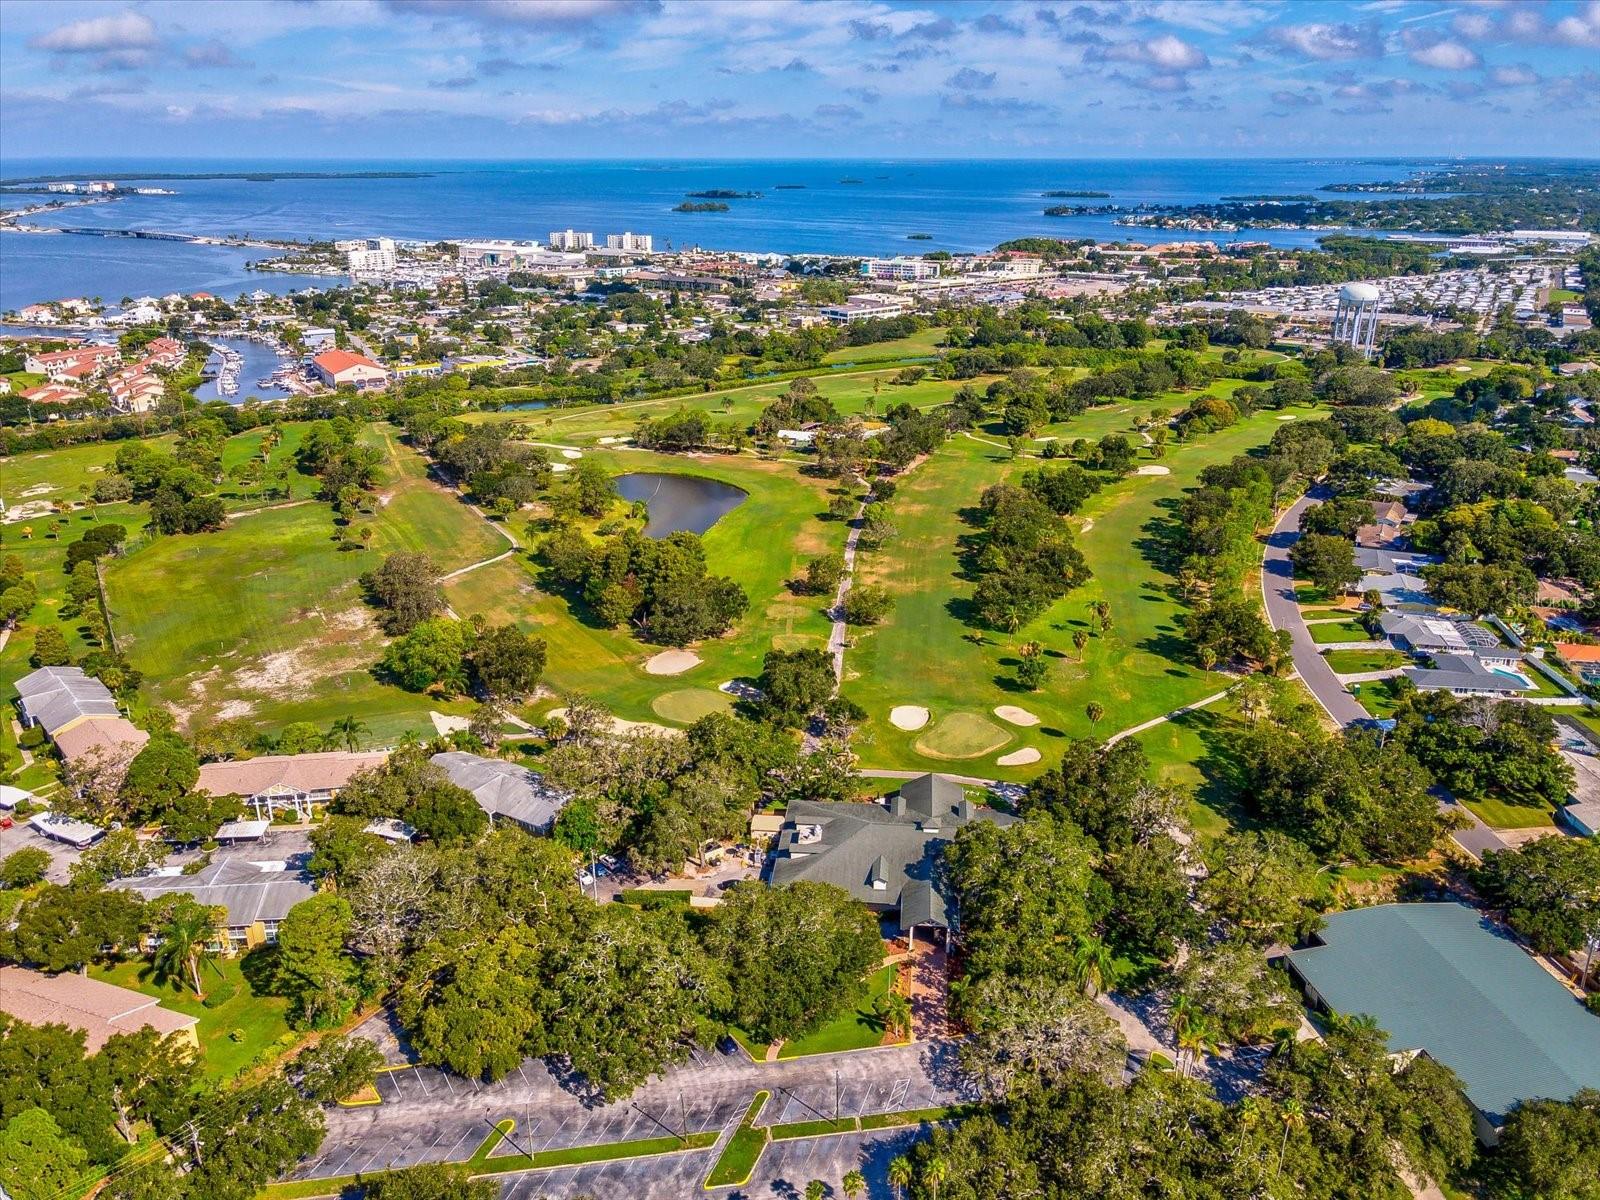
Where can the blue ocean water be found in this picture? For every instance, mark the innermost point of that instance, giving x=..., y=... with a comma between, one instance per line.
x=846, y=206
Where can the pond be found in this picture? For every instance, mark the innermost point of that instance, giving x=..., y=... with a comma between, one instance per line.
x=679, y=502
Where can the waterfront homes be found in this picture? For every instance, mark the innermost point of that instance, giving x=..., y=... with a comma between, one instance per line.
x=886, y=855
x=79, y=714
x=277, y=783
x=101, y=1010
x=254, y=897
x=1441, y=979
x=505, y=791
x=69, y=366
x=336, y=367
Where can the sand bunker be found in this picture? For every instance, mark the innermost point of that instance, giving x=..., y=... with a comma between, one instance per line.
x=1088, y=524
x=445, y=724
x=1153, y=469
x=1018, y=758
x=908, y=716
x=560, y=467
x=616, y=441
x=1015, y=715
x=572, y=454
x=672, y=662
x=619, y=726
x=1285, y=416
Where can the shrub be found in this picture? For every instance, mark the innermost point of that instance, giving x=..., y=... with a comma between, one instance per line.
x=222, y=992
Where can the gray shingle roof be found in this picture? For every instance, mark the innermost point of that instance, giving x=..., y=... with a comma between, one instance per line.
x=1463, y=671
x=57, y=696
x=503, y=789
x=900, y=844
x=1441, y=978
x=248, y=890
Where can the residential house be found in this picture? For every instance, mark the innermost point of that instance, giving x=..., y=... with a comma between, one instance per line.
x=1581, y=659
x=277, y=783
x=1466, y=675
x=53, y=393
x=255, y=896
x=79, y=714
x=1443, y=980
x=504, y=790
x=337, y=367
x=79, y=363
x=101, y=1010
x=1581, y=813
x=887, y=855
x=1430, y=635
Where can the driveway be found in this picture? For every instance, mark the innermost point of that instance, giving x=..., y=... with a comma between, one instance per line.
x=1277, y=590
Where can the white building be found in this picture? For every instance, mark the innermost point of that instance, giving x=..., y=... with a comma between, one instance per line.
x=371, y=256
x=898, y=268
x=1565, y=237
x=864, y=307
x=634, y=243
x=567, y=239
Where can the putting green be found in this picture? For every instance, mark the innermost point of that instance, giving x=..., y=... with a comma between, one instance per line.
x=688, y=705
x=962, y=735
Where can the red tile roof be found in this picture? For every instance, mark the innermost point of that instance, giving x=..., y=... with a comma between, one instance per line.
x=334, y=361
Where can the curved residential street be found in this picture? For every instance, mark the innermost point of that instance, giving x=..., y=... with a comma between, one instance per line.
x=1277, y=590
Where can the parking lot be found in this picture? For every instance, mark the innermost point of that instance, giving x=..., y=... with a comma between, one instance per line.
x=428, y=1115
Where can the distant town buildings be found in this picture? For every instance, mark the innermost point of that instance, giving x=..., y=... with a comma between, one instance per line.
x=633, y=243
x=567, y=239
x=866, y=307
x=898, y=268
x=369, y=256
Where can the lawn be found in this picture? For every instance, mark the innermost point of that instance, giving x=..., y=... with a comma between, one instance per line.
x=1376, y=698
x=853, y=1030
x=1329, y=632
x=739, y=1157
x=922, y=344
x=264, y=618
x=925, y=654
x=1195, y=751
x=761, y=544
x=1356, y=662
x=259, y=1018
x=1327, y=614
x=1500, y=815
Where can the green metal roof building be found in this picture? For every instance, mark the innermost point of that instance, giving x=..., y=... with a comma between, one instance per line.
x=1443, y=979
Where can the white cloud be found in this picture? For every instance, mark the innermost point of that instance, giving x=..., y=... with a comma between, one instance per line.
x=114, y=34
x=1328, y=43
x=1519, y=75
x=1167, y=53
x=1447, y=56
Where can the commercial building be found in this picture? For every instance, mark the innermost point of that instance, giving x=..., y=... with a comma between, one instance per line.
x=254, y=897
x=898, y=268
x=865, y=308
x=633, y=243
x=336, y=367
x=370, y=256
x=889, y=855
x=101, y=1010
x=1443, y=980
x=504, y=790
x=276, y=783
x=567, y=239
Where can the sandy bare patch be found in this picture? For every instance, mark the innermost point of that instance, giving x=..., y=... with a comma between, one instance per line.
x=572, y=454
x=444, y=724
x=1018, y=758
x=38, y=489
x=1016, y=716
x=1286, y=416
x=560, y=467
x=908, y=716
x=1088, y=524
x=672, y=662
x=619, y=726
x=30, y=510
x=384, y=498
x=1153, y=469
x=616, y=441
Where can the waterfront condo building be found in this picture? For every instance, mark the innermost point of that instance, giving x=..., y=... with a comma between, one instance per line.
x=567, y=239
x=898, y=268
x=633, y=243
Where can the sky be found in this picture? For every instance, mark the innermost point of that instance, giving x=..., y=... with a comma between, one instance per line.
x=515, y=79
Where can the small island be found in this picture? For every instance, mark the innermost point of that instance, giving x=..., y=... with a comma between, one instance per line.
x=1069, y=193
x=690, y=206
x=723, y=194
x=789, y=187
x=919, y=237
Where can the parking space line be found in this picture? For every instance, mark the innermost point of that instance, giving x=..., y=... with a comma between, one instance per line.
x=422, y=1081
x=447, y=1083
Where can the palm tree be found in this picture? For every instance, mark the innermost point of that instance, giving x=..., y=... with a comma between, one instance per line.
x=899, y=1175
x=1294, y=1117
x=854, y=1183
x=894, y=1010
x=1249, y=1118
x=1197, y=1039
x=1080, y=639
x=1093, y=965
x=935, y=1172
x=185, y=939
x=350, y=729
x=816, y=1189
x=1094, y=710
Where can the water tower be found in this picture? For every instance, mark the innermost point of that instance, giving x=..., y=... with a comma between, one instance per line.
x=1355, y=320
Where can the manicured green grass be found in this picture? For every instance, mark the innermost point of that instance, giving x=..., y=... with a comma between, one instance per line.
x=962, y=735
x=264, y=618
x=1329, y=632
x=1195, y=751
x=761, y=544
x=918, y=1116
x=739, y=1157
x=923, y=342
x=688, y=705
x=1355, y=662
x=1376, y=698
x=1326, y=614
x=261, y=1018
x=795, y=1130
x=925, y=653
x=1501, y=815
x=855, y=1029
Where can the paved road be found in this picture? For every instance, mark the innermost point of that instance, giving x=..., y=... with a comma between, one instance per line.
x=432, y=1116
x=1277, y=589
